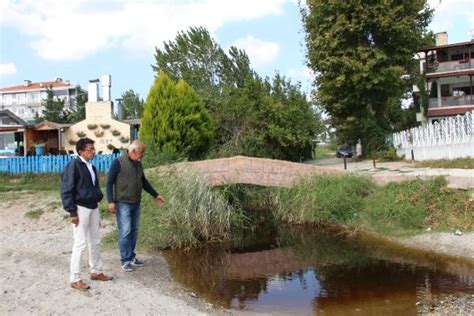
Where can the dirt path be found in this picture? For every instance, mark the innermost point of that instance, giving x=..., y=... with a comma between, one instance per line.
x=34, y=264
x=400, y=171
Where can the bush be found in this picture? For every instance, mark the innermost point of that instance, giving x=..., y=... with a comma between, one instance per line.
x=389, y=154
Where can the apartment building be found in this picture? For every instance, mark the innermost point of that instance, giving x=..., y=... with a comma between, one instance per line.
x=448, y=70
x=25, y=100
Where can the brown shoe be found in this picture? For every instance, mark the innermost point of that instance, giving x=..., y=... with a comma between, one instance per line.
x=100, y=277
x=80, y=285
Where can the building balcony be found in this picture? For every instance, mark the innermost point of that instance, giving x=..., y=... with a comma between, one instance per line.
x=451, y=101
x=450, y=66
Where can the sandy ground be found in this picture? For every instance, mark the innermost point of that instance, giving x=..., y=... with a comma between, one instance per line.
x=34, y=264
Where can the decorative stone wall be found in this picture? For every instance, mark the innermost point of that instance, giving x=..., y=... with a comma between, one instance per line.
x=449, y=139
x=99, y=126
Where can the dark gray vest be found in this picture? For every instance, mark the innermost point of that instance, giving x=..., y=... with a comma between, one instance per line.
x=128, y=186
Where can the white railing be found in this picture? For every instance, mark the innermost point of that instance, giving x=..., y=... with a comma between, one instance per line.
x=454, y=130
x=451, y=66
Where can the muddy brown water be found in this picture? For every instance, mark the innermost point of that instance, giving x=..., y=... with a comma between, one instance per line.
x=307, y=272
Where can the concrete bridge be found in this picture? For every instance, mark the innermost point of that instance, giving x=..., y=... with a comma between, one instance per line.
x=257, y=171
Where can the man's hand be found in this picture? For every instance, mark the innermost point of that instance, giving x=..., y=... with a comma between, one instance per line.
x=112, y=208
x=75, y=220
x=160, y=200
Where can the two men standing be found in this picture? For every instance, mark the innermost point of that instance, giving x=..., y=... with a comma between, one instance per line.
x=80, y=194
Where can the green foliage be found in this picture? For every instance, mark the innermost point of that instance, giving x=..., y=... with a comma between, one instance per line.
x=389, y=154
x=175, y=121
x=78, y=112
x=53, y=108
x=324, y=200
x=254, y=117
x=357, y=203
x=324, y=151
x=132, y=105
x=193, y=214
x=360, y=51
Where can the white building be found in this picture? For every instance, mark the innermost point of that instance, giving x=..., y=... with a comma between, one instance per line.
x=25, y=100
x=448, y=70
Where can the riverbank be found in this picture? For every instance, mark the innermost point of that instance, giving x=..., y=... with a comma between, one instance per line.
x=35, y=241
x=35, y=248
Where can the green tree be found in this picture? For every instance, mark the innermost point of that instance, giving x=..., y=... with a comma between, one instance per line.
x=52, y=108
x=359, y=51
x=248, y=119
x=196, y=58
x=175, y=122
x=78, y=111
x=132, y=105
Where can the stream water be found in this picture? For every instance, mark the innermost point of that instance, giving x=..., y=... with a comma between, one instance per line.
x=306, y=272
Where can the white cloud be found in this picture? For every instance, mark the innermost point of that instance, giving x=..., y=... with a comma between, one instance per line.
x=261, y=53
x=7, y=69
x=73, y=29
x=301, y=74
x=448, y=13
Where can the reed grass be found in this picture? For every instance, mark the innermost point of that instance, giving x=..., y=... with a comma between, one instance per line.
x=194, y=213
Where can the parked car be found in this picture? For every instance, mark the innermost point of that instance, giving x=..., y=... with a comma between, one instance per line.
x=344, y=151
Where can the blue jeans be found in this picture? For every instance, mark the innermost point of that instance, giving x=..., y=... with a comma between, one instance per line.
x=128, y=220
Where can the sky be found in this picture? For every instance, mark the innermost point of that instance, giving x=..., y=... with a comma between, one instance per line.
x=80, y=40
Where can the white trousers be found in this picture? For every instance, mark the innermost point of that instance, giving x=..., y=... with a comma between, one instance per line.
x=86, y=233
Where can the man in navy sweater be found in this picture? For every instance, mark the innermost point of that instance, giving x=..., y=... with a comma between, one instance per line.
x=80, y=194
x=125, y=182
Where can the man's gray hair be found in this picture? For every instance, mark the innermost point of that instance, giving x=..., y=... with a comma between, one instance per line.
x=136, y=145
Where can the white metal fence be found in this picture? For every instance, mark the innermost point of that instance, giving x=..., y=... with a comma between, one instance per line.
x=448, y=139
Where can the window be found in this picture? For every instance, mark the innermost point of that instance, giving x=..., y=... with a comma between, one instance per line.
x=22, y=98
x=461, y=91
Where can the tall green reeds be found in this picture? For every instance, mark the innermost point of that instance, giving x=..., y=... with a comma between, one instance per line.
x=194, y=213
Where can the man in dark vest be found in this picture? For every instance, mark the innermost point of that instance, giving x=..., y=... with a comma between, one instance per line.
x=125, y=182
x=80, y=194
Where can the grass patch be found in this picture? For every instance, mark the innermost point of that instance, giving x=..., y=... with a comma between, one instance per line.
x=34, y=214
x=354, y=202
x=29, y=182
x=325, y=151
x=400, y=208
x=333, y=200
x=34, y=182
x=460, y=163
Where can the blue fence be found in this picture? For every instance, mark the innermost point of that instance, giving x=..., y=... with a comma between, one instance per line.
x=49, y=164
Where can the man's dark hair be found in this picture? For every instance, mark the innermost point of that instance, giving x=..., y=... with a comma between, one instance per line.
x=81, y=144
